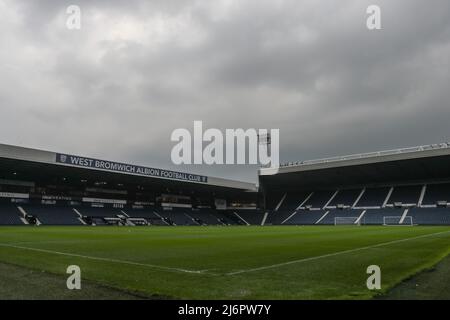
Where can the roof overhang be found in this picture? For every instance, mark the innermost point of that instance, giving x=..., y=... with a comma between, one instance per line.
x=426, y=163
x=30, y=158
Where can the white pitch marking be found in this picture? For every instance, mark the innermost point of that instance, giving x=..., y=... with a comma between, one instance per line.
x=333, y=254
x=103, y=259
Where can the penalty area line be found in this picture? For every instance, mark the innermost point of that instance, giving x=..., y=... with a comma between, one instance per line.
x=152, y=266
x=333, y=254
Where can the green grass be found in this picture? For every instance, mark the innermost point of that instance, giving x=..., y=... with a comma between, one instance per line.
x=430, y=284
x=199, y=262
x=25, y=283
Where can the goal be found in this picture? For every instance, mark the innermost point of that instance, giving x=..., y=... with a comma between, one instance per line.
x=397, y=221
x=346, y=221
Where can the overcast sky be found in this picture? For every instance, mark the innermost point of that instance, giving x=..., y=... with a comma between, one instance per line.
x=137, y=70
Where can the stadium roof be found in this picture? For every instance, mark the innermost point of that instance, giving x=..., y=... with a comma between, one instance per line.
x=39, y=162
x=423, y=163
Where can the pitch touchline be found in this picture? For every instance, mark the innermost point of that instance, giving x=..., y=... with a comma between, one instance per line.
x=103, y=259
x=332, y=254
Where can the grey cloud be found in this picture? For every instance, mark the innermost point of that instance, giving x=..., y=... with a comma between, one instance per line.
x=117, y=89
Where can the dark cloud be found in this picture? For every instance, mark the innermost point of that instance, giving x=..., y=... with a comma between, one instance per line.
x=137, y=70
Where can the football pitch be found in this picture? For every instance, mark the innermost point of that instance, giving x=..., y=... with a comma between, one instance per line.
x=273, y=262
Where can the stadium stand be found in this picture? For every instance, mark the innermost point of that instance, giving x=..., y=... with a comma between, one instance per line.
x=273, y=200
x=9, y=214
x=178, y=217
x=249, y=216
x=224, y=217
x=369, y=207
x=64, y=215
x=292, y=200
x=373, y=197
x=141, y=213
x=376, y=216
x=205, y=217
x=99, y=212
x=97, y=221
x=430, y=216
x=141, y=216
x=329, y=218
x=53, y=215
x=405, y=195
x=319, y=199
x=436, y=193
x=345, y=197
x=305, y=217
x=278, y=217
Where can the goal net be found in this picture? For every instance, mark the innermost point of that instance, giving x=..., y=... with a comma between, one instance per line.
x=346, y=221
x=397, y=221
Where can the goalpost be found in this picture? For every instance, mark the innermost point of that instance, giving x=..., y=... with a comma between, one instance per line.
x=354, y=221
x=397, y=221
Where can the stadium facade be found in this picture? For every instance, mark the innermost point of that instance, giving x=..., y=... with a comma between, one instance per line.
x=397, y=187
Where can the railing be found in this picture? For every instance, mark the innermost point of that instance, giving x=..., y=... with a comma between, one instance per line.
x=445, y=145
